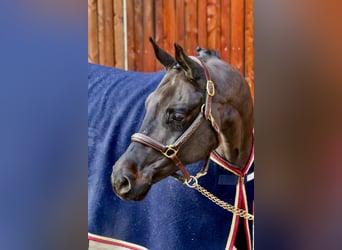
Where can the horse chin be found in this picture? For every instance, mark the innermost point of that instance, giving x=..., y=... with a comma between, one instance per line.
x=140, y=191
x=137, y=193
x=130, y=186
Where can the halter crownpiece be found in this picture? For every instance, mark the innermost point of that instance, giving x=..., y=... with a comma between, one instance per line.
x=210, y=91
x=171, y=151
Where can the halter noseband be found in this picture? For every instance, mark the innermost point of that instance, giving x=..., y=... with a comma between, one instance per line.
x=170, y=151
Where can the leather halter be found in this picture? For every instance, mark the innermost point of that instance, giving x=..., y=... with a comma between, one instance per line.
x=171, y=151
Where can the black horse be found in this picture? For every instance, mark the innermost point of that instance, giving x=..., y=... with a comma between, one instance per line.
x=186, y=120
x=205, y=101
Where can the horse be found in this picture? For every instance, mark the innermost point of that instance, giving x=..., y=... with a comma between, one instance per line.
x=198, y=110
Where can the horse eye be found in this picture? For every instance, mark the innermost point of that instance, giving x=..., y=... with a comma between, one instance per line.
x=175, y=118
x=178, y=117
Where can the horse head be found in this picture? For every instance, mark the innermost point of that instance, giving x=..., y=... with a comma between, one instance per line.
x=200, y=105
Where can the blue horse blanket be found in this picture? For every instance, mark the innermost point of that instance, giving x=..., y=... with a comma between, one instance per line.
x=172, y=216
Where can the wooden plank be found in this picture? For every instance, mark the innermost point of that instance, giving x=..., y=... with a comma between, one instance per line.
x=139, y=35
x=109, y=32
x=237, y=34
x=202, y=24
x=149, y=64
x=169, y=24
x=101, y=33
x=119, y=34
x=225, y=30
x=130, y=35
x=213, y=12
x=158, y=36
x=191, y=30
x=249, y=45
x=93, y=49
x=218, y=26
x=180, y=21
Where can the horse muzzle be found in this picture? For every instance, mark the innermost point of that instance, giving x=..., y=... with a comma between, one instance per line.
x=126, y=184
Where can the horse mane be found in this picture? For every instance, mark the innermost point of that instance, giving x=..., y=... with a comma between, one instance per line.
x=205, y=54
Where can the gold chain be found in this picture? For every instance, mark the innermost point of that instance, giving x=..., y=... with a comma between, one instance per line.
x=230, y=208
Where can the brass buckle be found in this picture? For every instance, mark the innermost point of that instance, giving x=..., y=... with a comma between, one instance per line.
x=170, y=152
x=210, y=88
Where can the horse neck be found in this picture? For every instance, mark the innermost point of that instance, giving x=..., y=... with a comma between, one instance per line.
x=236, y=132
x=235, y=147
x=233, y=111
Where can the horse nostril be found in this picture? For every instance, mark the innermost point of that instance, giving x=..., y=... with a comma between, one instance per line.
x=123, y=185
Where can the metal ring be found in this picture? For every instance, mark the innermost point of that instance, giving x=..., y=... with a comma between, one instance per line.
x=192, y=182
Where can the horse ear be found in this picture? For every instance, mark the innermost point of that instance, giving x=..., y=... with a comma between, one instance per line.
x=163, y=57
x=192, y=69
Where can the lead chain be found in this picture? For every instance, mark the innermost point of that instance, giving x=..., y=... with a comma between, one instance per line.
x=230, y=208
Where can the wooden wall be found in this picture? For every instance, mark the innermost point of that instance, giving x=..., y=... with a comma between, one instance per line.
x=118, y=31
